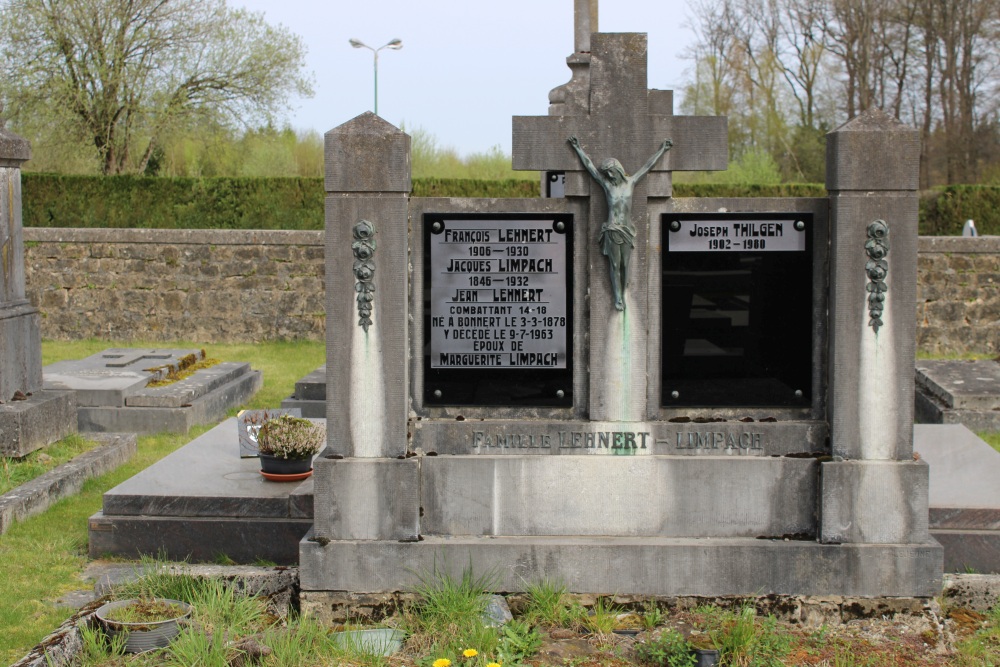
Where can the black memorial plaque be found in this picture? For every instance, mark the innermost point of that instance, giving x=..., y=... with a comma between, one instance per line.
x=498, y=309
x=737, y=309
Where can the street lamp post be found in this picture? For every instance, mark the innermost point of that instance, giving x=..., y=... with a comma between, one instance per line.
x=395, y=45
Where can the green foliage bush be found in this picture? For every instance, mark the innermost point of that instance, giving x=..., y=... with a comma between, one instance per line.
x=53, y=200
x=57, y=200
x=943, y=211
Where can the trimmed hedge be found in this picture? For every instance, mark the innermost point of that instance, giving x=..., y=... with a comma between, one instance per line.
x=943, y=211
x=54, y=200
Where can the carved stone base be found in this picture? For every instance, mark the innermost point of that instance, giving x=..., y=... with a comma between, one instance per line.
x=646, y=566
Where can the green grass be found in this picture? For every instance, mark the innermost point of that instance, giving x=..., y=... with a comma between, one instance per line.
x=992, y=438
x=44, y=556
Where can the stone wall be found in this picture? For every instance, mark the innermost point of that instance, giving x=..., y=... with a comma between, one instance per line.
x=958, y=295
x=203, y=286
x=210, y=286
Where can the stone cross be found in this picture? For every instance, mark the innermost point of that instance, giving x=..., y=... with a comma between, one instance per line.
x=619, y=118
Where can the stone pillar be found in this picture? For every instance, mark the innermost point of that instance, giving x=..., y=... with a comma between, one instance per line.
x=873, y=492
x=364, y=488
x=29, y=417
x=20, y=340
x=367, y=187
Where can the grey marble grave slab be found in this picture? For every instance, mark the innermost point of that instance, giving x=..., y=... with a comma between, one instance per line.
x=310, y=394
x=206, y=478
x=964, y=495
x=959, y=392
x=201, y=501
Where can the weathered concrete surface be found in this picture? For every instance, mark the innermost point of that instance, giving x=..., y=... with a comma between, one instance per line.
x=367, y=181
x=65, y=480
x=979, y=592
x=20, y=348
x=43, y=418
x=367, y=499
x=95, y=384
x=626, y=496
x=646, y=566
x=873, y=502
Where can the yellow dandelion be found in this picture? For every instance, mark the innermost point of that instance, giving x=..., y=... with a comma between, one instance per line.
x=441, y=662
x=493, y=664
x=470, y=653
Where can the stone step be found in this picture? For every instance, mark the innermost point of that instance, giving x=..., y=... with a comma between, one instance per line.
x=627, y=566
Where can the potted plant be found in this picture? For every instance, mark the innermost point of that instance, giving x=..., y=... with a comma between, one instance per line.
x=287, y=444
x=146, y=623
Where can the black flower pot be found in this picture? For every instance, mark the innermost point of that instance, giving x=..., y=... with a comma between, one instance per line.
x=275, y=465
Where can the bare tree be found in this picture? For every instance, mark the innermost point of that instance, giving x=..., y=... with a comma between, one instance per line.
x=126, y=71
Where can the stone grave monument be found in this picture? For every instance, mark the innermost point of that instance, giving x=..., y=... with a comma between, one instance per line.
x=30, y=417
x=619, y=390
x=114, y=392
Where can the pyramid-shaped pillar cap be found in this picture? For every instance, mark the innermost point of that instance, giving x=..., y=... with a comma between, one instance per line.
x=367, y=154
x=873, y=151
x=13, y=149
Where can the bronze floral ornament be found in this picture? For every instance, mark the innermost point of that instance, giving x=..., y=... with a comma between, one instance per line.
x=364, y=270
x=877, y=268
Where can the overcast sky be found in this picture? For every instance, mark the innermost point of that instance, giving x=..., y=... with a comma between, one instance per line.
x=466, y=66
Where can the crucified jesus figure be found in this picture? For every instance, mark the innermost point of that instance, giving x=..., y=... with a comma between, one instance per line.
x=618, y=234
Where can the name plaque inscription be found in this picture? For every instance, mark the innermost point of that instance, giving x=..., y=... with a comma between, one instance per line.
x=738, y=309
x=499, y=309
x=727, y=235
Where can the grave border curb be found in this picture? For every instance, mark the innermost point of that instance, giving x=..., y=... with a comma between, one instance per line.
x=37, y=495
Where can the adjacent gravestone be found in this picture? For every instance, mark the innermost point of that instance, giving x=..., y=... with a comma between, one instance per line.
x=30, y=418
x=310, y=394
x=619, y=390
x=114, y=393
x=951, y=391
